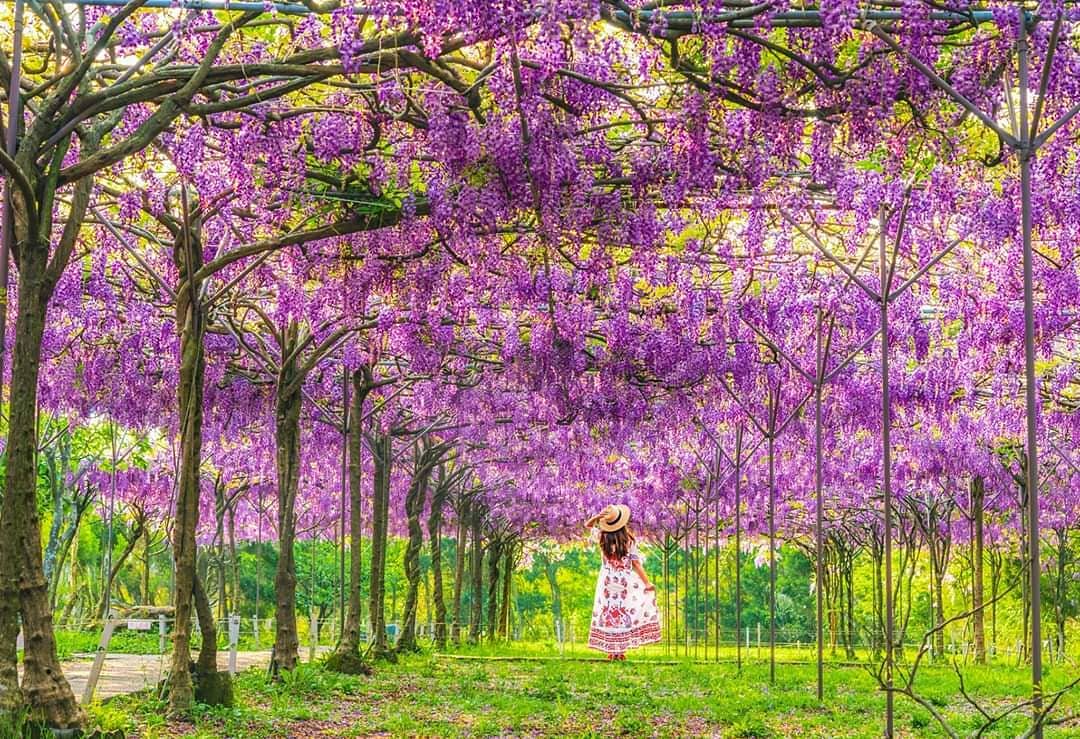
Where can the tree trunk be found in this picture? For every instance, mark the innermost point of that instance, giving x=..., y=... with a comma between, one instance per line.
x=56, y=485
x=849, y=576
x=508, y=576
x=438, y=602
x=382, y=453
x=67, y=540
x=939, y=610
x=978, y=497
x=144, y=587
x=425, y=580
x=476, y=575
x=234, y=565
x=877, y=641
x=346, y=657
x=129, y=547
x=1061, y=585
x=212, y=687
x=997, y=561
x=191, y=326
x=494, y=555
x=1025, y=582
x=551, y=572
x=73, y=578
x=220, y=506
x=23, y=588
x=459, y=568
x=286, y=652
x=414, y=507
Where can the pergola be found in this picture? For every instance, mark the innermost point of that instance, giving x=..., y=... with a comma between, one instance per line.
x=1026, y=133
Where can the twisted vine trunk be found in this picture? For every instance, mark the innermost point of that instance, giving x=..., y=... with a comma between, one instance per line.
x=1061, y=590
x=80, y=504
x=978, y=495
x=286, y=652
x=212, y=687
x=57, y=460
x=508, y=576
x=435, y=541
x=347, y=655
x=495, y=549
x=382, y=451
x=551, y=572
x=147, y=597
x=220, y=507
x=459, y=568
x=414, y=507
x=234, y=565
x=191, y=327
x=848, y=577
x=129, y=547
x=939, y=543
x=476, y=575
x=25, y=590
x=192, y=367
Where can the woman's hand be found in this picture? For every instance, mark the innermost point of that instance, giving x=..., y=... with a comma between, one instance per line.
x=602, y=514
x=650, y=588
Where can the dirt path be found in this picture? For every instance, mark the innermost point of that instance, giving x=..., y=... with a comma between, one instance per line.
x=129, y=673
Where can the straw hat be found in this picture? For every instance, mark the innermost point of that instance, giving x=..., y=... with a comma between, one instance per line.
x=612, y=518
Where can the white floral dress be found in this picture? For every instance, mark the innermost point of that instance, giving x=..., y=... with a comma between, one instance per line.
x=624, y=613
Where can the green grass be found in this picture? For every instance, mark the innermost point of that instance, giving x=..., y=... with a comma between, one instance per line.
x=70, y=642
x=431, y=695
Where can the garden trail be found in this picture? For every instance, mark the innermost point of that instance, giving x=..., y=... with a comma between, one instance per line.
x=130, y=673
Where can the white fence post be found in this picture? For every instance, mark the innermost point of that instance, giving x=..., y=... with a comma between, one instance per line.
x=161, y=633
x=234, y=637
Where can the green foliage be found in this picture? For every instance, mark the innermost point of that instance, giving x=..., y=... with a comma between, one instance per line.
x=109, y=716
x=347, y=663
x=439, y=696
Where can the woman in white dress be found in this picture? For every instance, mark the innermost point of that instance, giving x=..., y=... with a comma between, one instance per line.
x=625, y=615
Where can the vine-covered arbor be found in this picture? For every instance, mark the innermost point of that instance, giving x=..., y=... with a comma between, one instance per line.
x=464, y=271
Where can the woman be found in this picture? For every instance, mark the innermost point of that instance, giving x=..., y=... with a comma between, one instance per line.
x=624, y=610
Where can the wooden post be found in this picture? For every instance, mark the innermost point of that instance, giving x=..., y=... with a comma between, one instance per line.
x=99, y=661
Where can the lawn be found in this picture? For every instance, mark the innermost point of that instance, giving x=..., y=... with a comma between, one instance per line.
x=444, y=696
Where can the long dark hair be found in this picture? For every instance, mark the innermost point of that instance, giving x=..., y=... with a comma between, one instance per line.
x=616, y=544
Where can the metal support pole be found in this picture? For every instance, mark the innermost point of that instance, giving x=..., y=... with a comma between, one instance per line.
x=1026, y=142
x=344, y=485
x=667, y=590
x=696, y=551
x=258, y=559
x=738, y=547
x=716, y=566
x=772, y=543
x=819, y=544
x=1026, y=154
x=109, y=539
x=886, y=471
